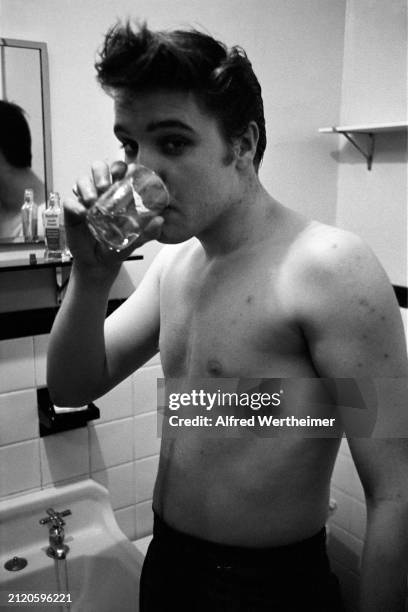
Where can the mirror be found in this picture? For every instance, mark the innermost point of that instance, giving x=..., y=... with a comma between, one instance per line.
x=25, y=133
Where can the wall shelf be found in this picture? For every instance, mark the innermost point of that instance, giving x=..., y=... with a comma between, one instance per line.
x=370, y=131
x=23, y=263
x=36, y=262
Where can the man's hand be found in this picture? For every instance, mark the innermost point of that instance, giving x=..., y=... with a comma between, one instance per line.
x=88, y=253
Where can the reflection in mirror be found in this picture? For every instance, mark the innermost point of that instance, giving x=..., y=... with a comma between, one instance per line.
x=25, y=142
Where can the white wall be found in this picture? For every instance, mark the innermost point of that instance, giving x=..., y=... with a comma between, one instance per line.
x=374, y=90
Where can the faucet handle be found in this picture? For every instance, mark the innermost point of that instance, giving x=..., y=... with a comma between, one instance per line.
x=55, y=517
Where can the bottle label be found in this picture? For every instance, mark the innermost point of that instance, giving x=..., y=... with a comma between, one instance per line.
x=51, y=221
x=52, y=216
x=52, y=237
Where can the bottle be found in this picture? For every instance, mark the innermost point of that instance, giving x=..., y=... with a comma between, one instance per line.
x=52, y=227
x=29, y=217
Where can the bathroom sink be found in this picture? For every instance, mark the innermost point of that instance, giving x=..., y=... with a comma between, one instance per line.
x=103, y=566
x=95, y=584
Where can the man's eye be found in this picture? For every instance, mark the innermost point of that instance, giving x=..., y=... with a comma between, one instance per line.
x=174, y=146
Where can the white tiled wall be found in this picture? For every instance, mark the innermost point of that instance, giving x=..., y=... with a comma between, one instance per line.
x=17, y=364
x=119, y=450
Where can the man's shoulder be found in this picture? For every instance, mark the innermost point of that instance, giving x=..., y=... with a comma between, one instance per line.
x=334, y=271
x=324, y=251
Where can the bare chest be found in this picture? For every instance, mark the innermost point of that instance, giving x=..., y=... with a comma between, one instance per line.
x=228, y=322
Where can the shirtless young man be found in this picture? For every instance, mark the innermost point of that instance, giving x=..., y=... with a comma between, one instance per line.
x=247, y=289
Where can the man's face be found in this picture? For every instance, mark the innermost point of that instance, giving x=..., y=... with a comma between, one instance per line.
x=169, y=133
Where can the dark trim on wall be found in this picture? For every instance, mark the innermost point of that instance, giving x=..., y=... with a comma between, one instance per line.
x=35, y=322
x=402, y=295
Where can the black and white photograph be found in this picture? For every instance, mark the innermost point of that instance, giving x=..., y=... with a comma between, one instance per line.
x=203, y=305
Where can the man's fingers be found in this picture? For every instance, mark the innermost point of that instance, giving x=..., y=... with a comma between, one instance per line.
x=89, y=188
x=118, y=170
x=86, y=191
x=101, y=175
x=74, y=212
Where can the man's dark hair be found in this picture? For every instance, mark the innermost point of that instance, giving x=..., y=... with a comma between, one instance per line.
x=136, y=59
x=15, y=136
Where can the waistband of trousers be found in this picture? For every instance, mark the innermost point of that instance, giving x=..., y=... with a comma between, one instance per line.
x=309, y=550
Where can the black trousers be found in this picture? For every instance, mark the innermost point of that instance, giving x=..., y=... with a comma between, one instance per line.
x=182, y=573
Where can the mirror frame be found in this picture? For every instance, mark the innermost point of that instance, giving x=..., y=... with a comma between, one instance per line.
x=45, y=101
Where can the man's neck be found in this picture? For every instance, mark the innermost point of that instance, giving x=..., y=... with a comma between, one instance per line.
x=246, y=222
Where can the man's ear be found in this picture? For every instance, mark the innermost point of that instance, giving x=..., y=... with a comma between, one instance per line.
x=245, y=146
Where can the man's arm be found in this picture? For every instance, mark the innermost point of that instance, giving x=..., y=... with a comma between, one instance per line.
x=383, y=469
x=88, y=354
x=351, y=321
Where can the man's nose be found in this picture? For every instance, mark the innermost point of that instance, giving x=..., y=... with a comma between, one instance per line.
x=152, y=161
x=147, y=157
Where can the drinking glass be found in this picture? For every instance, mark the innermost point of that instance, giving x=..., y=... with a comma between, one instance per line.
x=116, y=218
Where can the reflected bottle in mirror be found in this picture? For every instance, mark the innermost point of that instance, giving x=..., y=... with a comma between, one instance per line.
x=29, y=217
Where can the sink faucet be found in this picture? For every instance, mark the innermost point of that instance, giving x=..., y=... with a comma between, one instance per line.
x=57, y=549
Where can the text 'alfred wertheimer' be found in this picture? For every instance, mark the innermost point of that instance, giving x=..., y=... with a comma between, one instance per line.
x=260, y=420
